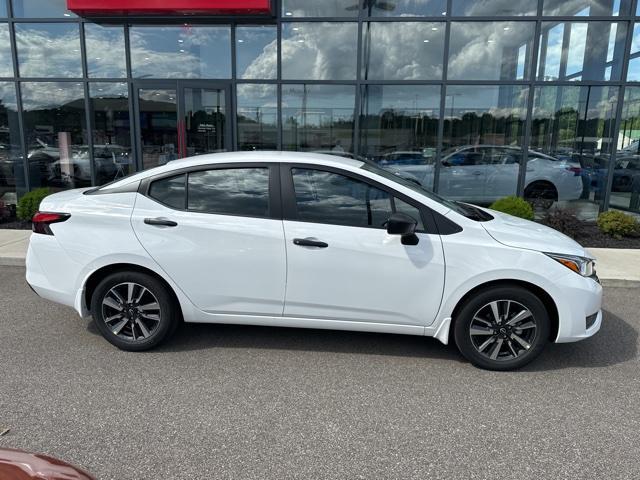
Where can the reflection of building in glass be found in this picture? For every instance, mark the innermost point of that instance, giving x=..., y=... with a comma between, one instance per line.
x=472, y=99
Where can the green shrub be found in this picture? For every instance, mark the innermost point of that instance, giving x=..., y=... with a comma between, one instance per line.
x=30, y=202
x=565, y=221
x=515, y=206
x=617, y=224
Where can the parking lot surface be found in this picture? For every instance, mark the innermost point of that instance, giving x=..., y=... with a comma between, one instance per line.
x=231, y=402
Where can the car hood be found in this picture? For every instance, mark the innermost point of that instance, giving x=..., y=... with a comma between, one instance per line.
x=517, y=232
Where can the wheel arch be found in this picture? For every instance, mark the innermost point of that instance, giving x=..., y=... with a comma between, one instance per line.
x=98, y=275
x=542, y=294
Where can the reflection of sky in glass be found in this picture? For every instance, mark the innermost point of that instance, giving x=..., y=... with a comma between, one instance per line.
x=317, y=117
x=108, y=90
x=47, y=95
x=577, y=44
x=633, y=73
x=322, y=8
x=469, y=8
x=257, y=116
x=499, y=101
x=48, y=49
x=41, y=9
x=180, y=52
x=487, y=50
x=256, y=52
x=233, y=191
x=554, y=51
x=408, y=8
x=6, y=65
x=583, y=61
x=405, y=98
x=403, y=50
x=105, y=51
x=3, y=8
x=319, y=51
x=522, y=55
x=605, y=8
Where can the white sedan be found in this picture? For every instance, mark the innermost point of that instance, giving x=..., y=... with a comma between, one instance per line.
x=308, y=240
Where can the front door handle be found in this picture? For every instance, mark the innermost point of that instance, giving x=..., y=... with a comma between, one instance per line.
x=161, y=222
x=309, y=242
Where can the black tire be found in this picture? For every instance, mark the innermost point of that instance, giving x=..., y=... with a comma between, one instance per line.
x=131, y=336
x=478, y=311
x=541, y=194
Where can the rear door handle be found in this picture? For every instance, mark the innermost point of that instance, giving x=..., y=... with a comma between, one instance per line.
x=162, y=222
x=309, y=242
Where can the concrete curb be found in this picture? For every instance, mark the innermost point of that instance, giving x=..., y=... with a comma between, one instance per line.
x=619, y=283
x=12, y=262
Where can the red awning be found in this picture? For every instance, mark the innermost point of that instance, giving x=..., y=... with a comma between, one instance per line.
x=168, y=7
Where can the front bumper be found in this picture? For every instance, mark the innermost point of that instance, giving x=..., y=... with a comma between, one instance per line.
x=577, y=300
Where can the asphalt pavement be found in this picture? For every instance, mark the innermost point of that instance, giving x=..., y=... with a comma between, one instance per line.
x=231, y=402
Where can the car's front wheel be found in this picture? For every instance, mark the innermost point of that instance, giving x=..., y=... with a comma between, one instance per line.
x=133, y=311
x=502, y=328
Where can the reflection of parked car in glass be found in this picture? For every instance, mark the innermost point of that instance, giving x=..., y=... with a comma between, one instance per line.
x=484, y=173
x=110, y=162
x=8, y=202
x=624, y=173
x=407, y=175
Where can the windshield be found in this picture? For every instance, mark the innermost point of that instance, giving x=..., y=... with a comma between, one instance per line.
x=463, y=209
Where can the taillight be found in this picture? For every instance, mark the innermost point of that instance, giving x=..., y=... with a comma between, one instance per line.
x=577, y=171
x=41, y=221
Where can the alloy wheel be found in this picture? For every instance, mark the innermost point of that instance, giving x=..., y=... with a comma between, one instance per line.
x=131, y=311
x=503, y=330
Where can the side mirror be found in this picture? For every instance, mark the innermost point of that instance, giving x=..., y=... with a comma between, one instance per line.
x=404, y=225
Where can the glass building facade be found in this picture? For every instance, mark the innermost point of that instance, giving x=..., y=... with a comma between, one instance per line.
x=473, y=99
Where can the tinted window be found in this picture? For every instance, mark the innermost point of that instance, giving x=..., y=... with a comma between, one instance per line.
x=169, y=191
x=410, y=210
x=325, y=197
x=234, y=191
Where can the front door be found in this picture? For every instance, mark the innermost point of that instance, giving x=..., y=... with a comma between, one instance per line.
x=177, y=119
x=357, y=272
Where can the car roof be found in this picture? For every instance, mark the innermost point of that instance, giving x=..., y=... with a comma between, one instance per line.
x=240, y=157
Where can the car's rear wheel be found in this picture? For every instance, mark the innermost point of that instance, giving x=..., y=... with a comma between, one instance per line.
x=502, y=328
x=133, y=311
x=541, y=195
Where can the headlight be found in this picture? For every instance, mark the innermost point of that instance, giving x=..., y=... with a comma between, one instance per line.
x=581, y=265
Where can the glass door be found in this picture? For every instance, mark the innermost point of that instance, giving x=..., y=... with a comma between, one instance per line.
x=203, y=119
x=156, y=108
x=176, y=119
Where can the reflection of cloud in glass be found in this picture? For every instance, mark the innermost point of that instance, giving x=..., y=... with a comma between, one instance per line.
x=468, y=8
x=605, y=8
x=105, y=51
x=181, y=52
x=590, y=46
x=408, y=8
x=46, y=95
x=6, y=66
x=403, y=50
x=238, y=191
x=323, y=8
x=487, y=50
x=319, y=51
x=48, y=49
x=256, y=52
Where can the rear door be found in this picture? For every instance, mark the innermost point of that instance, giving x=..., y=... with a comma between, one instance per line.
x=357, y=272
x=217, y=232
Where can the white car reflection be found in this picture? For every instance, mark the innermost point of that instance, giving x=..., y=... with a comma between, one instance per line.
x=485, y=173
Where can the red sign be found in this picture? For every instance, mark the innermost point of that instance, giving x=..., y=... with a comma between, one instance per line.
x=169, y=7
